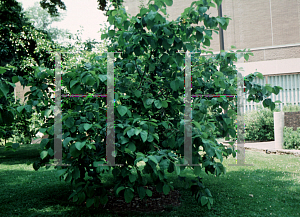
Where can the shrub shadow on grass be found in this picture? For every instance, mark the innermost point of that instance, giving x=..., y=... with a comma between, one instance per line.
x=22, y=155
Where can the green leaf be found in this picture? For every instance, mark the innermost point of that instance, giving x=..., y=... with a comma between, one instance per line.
x=4, y=88
x=111, y=33
x=61, y=172
x=103, y=77
x=151, y=15
x=149, y=193
x=207, y=191
x=157, y=104
x=197, y=125
x=164, y=164
x=128, y=195
x=164, y=104
x=50, y=152
x=122, y=110
x=197, y=170
x=167, y=31
x=90, y=80
x=174, y=85
x=218, y=2
x=151, y=67
x=137, y=131
x=79, y=145
x=168, y=2
x=120, y=189
x=132, y=147
x=81, y=197
x=132, y=178
x=149, y=101
x=114, y=12
x=221, y=20
x=142, y=192
x=276, y=89
x=87, y=126
x=15, y=79
x=2, y=70
x=246, y=56
x=131, y=132
x=20, y=108
x=76, y=90
x=166, y=189
x=153, y=159
x=70, y=122
x=143, y=11
x=259, y=75
x=270, y=89
x=202, y=10
x=138, y=93
x=144, y=135
x=204, y=200
x=164, y=58
x=189, y=47
x=43, y=154
x=103, y=199
x=73, y=82
x=89, y=202
x=206, y=42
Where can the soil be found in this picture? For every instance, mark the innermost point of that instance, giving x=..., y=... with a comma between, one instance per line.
x=158, y=203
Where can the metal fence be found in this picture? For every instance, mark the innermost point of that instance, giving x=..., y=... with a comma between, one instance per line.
x=289, y=95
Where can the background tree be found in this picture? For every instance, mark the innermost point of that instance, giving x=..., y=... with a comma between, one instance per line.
x=42, y=20
x=53, y=5
x=21, y=48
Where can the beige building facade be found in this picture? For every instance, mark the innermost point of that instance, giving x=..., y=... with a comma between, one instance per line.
x=269, y=28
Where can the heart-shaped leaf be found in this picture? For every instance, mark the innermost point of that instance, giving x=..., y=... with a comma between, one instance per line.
x=122, y=110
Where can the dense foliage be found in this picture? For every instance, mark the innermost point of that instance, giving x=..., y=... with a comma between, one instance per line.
x=21, y=47
x=149, y=107
x=259, y=125
x=291, y=138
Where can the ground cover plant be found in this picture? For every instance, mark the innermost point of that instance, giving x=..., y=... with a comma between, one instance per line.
x=291, y=138
x=269, y=188
x=149, y=127
x=259, y=126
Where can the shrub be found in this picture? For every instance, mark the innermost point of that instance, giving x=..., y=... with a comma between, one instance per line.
x=291, y=108
x=291, y=138
x=148, y=123
x=259, y=125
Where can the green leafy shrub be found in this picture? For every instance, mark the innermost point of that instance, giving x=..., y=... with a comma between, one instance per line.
x=291, y=138
x=291, y=108
x=149, y=125
x=259, y=125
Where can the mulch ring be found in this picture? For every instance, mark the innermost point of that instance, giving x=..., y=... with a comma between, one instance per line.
x=158, y=203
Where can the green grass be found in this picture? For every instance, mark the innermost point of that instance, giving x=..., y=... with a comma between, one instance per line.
x=274, y=182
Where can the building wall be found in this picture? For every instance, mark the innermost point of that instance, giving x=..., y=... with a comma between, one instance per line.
x=254, y=23
x=271, y=33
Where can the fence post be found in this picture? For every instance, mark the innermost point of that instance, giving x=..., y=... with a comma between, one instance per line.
x=278, y=129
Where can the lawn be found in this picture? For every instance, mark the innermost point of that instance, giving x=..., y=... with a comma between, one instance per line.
x=269, y=188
